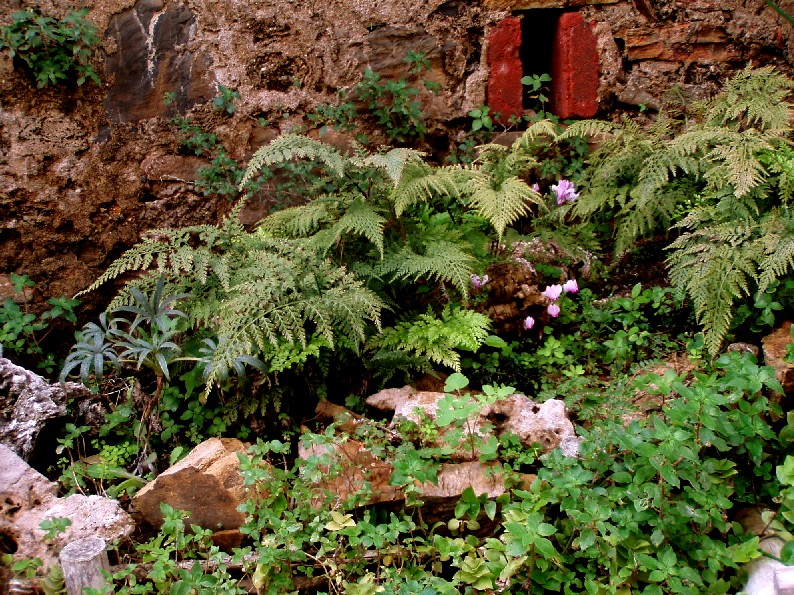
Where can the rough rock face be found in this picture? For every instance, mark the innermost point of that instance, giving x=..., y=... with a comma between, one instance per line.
x=775, y=345
x=27, y=403
x=27, y=498
x=545, y=424
x=207, y=483
x=85, y=171
x=354, y=466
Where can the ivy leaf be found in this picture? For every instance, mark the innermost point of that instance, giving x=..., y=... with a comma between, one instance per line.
x=455, y=382
x=340, y=521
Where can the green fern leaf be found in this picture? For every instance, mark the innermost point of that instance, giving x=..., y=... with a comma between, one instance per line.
x=292, y=146
x=500, y=203
x=442, y=261
x=437, y=338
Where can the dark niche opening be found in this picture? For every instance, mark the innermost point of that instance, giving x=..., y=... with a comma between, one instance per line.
x=538, y=38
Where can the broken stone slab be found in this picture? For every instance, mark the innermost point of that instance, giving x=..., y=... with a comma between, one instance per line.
x=774, y=346
x=27, y=498
x=348, y=466
x=546, y=424
x=207, y=483
x=27, y=403
x=351, y=465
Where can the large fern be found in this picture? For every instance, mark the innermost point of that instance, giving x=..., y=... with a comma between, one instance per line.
x=732, y=157
x=646, y=175
x=255, y=293
x=432, y=338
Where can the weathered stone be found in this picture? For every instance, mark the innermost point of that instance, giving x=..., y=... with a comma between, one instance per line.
x=345, y=420
x=27, y=403
x=9, y=292
x=455, y=478
x=540, y=4
x=171, y=168
x=152, y=58
x=505, y=91
x=695, y=42
x=545, y=424
x=775, y=345
x=27, y=498
x=348, y=466
x=574, y=68
x=207, y=483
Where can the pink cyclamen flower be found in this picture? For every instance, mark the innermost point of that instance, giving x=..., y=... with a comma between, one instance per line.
x=477, y=282
x=529, y=322
x=565, y=192
x=553, y=310
x=536, y=187
x=570, y=286
x=552, y=292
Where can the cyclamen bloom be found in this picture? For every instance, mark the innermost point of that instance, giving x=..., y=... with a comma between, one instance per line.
x=536, y=187
x=565, y=192
x=552, y=292
x=529, y=322
x=570, y=286
x=477, y=282
x=553, y=310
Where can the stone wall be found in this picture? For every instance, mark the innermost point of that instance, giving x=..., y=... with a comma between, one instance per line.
x=84, y=171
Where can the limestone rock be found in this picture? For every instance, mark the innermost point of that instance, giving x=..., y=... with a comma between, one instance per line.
x=774, y=346
x=27, y=403
x=27, y=498
x=545, y=423
x=455, y=478
x=207, y=483
x=353, y=465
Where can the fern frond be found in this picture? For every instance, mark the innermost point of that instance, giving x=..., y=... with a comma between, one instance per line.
x=393, y=162
x=599, y=129
x=500, y=203
x=754, y=97
x=292, y=146
x=302, y=220
x=420, y=183
x=545, y=130
x=437, y=339
x=167, y=248
x=714, y=266
x=442, y=261
x=777, y=244
x=361, y=218
x=736, y=160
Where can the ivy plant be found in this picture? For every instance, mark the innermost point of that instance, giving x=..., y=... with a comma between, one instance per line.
x=53, y=50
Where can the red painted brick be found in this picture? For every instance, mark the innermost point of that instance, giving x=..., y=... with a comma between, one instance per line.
x=505, y=91
x=574, y=68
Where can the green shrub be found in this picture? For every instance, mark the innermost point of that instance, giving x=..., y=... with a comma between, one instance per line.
x=52, y=50
x=732, y=158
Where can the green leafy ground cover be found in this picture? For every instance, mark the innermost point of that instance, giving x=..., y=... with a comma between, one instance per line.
x=383, y=272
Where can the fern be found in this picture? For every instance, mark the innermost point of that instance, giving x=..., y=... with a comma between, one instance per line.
x=421, y=184
x=435, y=339
x=292, y=146
x=648, y=174
x=732, y=157
x=254, y=293
x=718, y=264
x=442, y=261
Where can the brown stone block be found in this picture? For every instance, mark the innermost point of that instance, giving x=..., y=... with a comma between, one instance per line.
x=207, y=483
x=687, y=42
x=538, y=4
x=575, y=68
x=505, y=91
